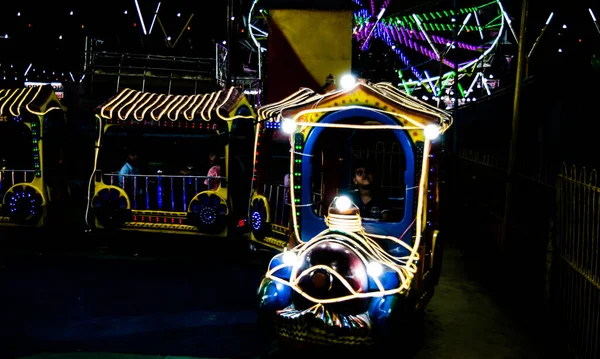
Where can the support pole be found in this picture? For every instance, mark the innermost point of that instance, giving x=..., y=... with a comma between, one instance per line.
x=515, y=126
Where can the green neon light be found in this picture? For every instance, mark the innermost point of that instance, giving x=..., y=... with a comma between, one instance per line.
x=405, y=87
x=460, y=88
x=497, y=18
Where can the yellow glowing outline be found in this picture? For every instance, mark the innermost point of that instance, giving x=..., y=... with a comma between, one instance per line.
x=195, y=106
x=139, y=103
x=172, y=100
x=185, y=108
x=209, y=103
x=179, y=108
x=350, y=225
x=23, y=100
x=4, y=93
x=143, y=108
x=134, y=107
x=14, y=100
x=364, y=247
x=152, y=106
x=113, y=100
x=290, y=101
x=8, y=99
x=134, y=97
x=116, y=101
x=166, y=98
x=386, y=90
x=223, y=103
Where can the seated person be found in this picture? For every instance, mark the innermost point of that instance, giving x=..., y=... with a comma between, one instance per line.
x=129, y=168
x=371, y=203
x=213, y=181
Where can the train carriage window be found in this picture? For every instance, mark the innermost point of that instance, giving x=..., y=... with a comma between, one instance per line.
x=329, y=167
x=16, y=155
x=16, y=146
x=333, y=162
x=165, y=150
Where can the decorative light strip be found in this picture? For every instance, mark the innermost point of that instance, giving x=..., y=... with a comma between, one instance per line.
x=35, y=139
x=408, y=30
x=363, y=244
x=306, y=97
x=133, y=105
x=16, y=99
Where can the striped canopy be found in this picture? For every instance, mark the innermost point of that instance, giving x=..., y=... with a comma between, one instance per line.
x=382, y=97
x=37, y=100
x=133, y=105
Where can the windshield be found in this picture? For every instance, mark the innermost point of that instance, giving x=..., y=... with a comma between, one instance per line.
x=367, y=165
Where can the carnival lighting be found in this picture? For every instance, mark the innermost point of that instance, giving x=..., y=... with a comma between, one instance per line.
x=374, y=269
x=432, y=131
x=289, y=258
x=343, y=203
x=288, y=125
x=348, y=224
x=137, y=6
x=347, y=81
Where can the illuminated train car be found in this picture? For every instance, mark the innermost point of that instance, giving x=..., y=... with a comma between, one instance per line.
x=344, y=278
x=32, y=123
x=173, y=190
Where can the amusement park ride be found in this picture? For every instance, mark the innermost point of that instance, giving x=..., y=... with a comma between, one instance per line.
x=335, y=276
x=446, y=57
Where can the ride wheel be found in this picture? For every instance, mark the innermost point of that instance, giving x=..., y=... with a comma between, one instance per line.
x=25, y=203
x=259, y=218
x=111, y=205
x=208, y=212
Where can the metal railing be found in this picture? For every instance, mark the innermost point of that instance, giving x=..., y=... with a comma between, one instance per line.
x=145, y=67
x=571, y=198
x=278, y=197
x=279, y=201
x=577, y=288
x=9, y=177
x=161, y=192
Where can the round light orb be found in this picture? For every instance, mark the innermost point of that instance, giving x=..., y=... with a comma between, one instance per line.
x=432, y=132
x=289, y=258
x=347, y=81
x=374, y=269
x=343, y=203
x=288, y=125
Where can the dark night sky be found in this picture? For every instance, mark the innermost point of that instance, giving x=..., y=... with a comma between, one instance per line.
x=40, y=43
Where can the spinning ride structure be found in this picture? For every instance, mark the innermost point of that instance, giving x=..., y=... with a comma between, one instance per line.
x=437, y=48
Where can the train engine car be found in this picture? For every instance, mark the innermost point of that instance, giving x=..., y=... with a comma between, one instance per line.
x=354, y=268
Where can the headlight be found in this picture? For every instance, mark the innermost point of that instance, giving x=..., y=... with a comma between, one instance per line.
x=343, y=203
x=374, y=269
x=289, y=258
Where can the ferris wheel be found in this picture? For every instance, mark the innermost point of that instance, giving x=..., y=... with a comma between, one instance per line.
x=255, y=23
x=439, y=47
